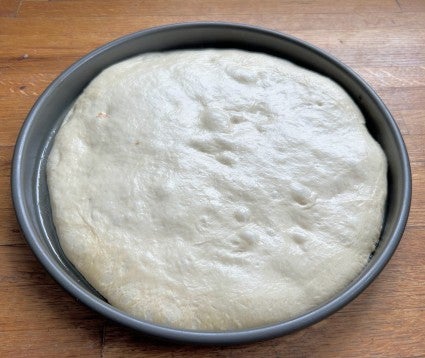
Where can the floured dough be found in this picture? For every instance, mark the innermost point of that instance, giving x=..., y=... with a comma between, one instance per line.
x=216, y=189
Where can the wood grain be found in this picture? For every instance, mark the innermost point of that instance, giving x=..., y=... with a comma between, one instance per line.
x=384, y=41
x=111, y=8
x=9, y=7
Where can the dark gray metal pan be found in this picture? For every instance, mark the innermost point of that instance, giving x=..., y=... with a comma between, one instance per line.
x=30, y=193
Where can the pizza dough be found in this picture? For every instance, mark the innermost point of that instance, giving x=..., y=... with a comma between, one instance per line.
x=216, y=189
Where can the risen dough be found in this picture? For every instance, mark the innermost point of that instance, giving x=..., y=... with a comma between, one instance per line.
x=216, y=189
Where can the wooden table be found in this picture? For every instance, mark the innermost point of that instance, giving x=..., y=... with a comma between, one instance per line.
x=384, y=41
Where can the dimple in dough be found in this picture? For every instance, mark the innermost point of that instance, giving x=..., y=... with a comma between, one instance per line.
x=216, y=189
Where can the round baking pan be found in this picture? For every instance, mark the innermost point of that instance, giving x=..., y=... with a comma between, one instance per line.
x=29, y=188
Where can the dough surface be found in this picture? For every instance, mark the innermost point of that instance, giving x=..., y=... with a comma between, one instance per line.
x=216, y=189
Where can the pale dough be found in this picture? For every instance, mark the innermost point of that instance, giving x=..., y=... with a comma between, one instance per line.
x=216, y=189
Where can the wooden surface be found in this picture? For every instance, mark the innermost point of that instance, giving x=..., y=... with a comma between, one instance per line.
x=384, y=41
